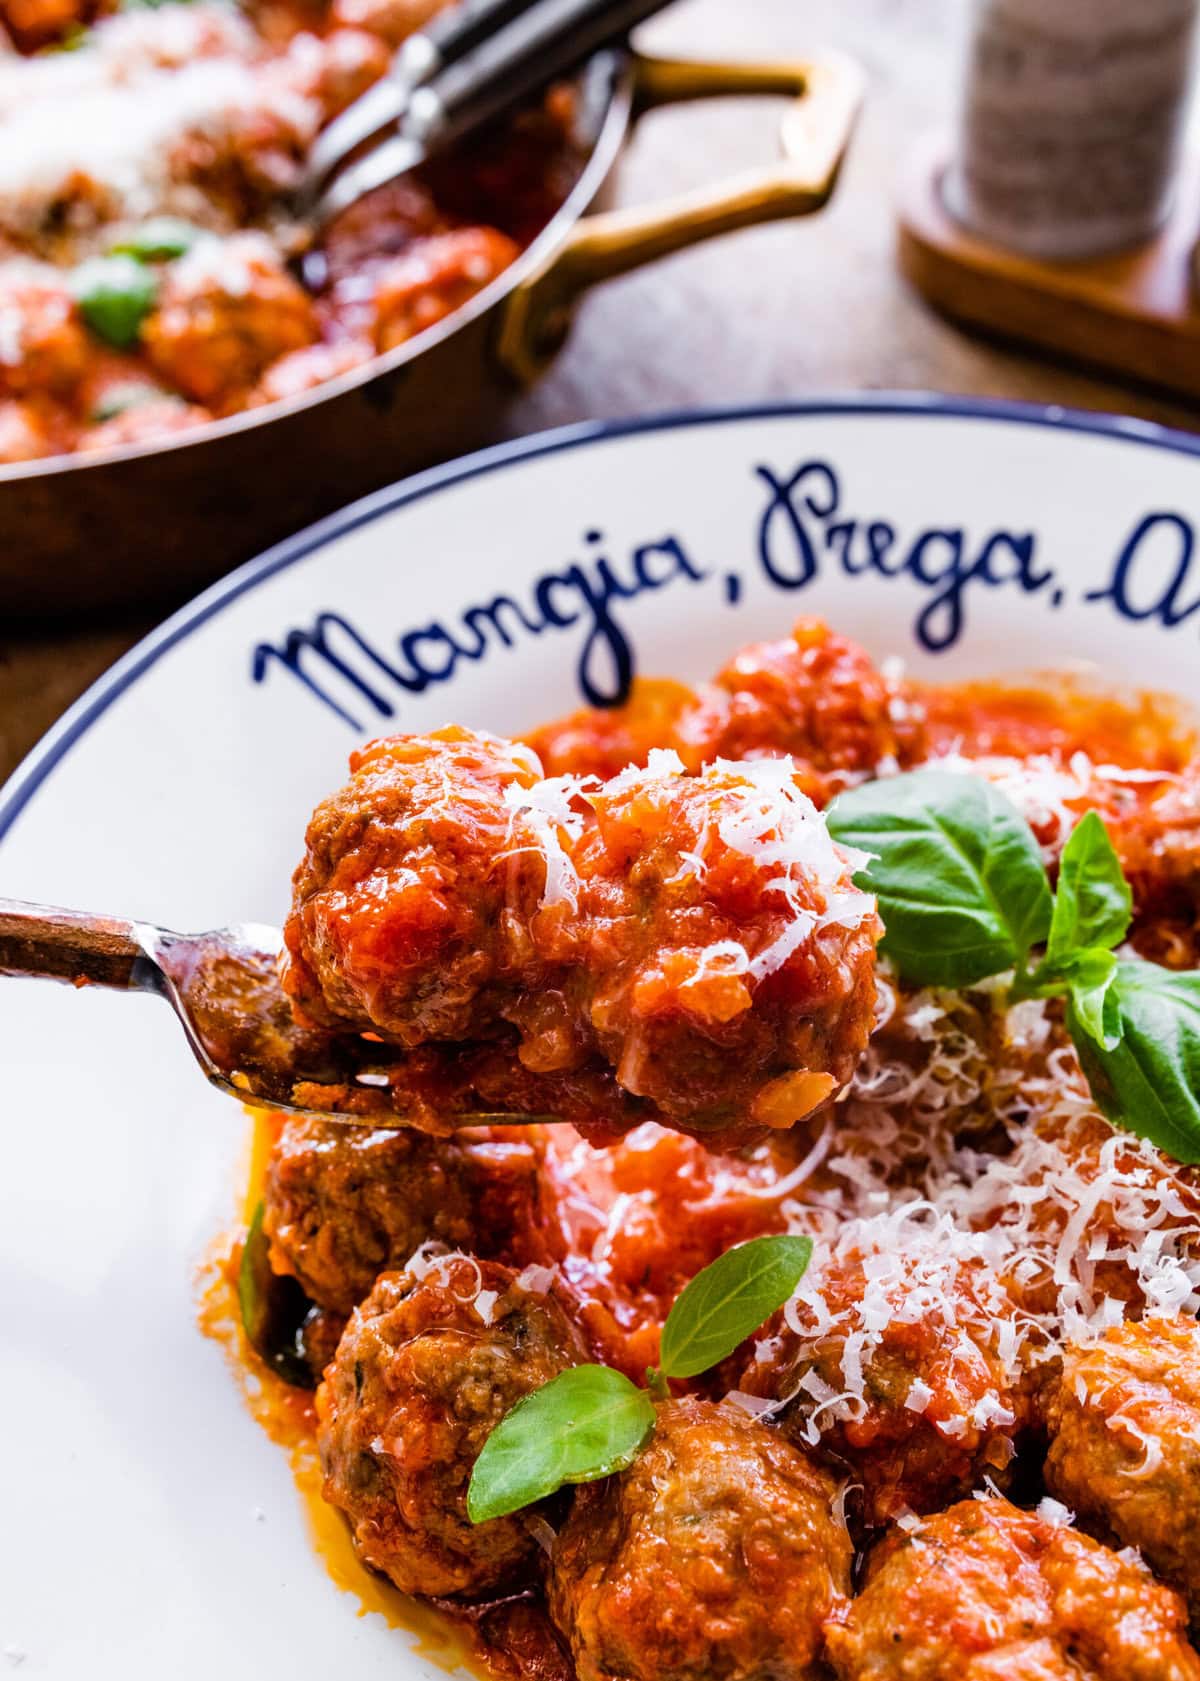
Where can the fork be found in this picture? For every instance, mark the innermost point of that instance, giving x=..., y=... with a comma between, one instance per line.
x=224, y=987
x=489, y=55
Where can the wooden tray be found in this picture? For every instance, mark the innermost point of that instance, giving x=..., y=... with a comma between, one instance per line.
x=1132, y=314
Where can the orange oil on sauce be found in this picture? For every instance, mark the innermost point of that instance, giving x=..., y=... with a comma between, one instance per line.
x=288, y=1418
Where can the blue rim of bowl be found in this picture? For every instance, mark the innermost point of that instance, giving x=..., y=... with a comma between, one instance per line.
x=53, y=747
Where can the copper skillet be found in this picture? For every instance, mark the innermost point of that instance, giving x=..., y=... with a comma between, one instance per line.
x=147, y=522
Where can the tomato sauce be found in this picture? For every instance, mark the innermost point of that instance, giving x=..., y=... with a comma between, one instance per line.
x=627, y=1225
x=1061, y=717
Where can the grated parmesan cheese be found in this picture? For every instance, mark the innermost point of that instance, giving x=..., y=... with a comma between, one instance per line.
x=760, y=813
x=549, y=811
x=919, y=1396
x=1051, y=795
x=535, y=1280
x=434, y=1257
x=1006, y=1254
x=114, y=116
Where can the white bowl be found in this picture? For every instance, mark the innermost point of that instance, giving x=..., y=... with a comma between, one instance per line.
x=149, y=1526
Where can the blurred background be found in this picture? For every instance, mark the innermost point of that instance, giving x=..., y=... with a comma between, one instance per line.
x=790, y=310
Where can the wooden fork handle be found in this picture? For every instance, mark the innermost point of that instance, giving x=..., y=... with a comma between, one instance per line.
x=58, y=945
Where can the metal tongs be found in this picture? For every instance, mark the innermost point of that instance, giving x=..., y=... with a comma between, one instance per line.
x=470, y=64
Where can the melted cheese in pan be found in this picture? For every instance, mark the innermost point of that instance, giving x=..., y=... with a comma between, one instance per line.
x=98, y=132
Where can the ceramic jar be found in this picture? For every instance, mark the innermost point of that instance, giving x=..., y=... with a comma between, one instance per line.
x=1071, y=122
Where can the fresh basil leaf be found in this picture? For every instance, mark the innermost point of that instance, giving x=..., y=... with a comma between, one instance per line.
x=956, y=869
x=1093, y=905
x=275, y=1311
x=1090, y=976
x=730, y=1299
x=586, y=1423
x=158, y=240
x=115, y=295
x=1148, y=1082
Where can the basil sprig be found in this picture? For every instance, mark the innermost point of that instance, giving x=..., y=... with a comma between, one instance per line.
x=964, y=897
x=591, y=1421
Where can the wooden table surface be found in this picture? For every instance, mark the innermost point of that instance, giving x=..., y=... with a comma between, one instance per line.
x=786, y=311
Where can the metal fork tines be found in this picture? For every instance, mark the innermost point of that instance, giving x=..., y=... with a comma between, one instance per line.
x=224, y=987
x=486, y=57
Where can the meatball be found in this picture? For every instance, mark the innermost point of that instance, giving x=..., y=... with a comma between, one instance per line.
x=300, y=371
x=44, y=346
x=985, y=1592
x=715, y=1557
x=391, y=20
x=815, y=695
x=245, y=161
x=435, y=277
x=890, y=1362
x=343, y=1203
x=425, y=1370
x=35, y=24
x=732, y=965
x=695, y=944
x=225, y=312
x=1124, y=1422
x=29, y=431
x=381, y=224
x=400, y=921
x=335, y=69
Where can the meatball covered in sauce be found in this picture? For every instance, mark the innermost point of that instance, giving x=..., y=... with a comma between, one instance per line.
x=342, y=1203
x=694, y=947
x=890, y=1363
x=985, y=1592
x=426, y=1368
x=716, y=1557
x=436, y=277
x=37, y=24
x=400, y=920
x=225, y=312
x=1124, y=1422
x=44, y=347
x=335, y=69
x=392, y=20
x=814, y=696
x=732, y=958
x=32, y=430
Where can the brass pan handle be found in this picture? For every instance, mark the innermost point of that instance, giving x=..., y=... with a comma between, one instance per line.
x=825, y=94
